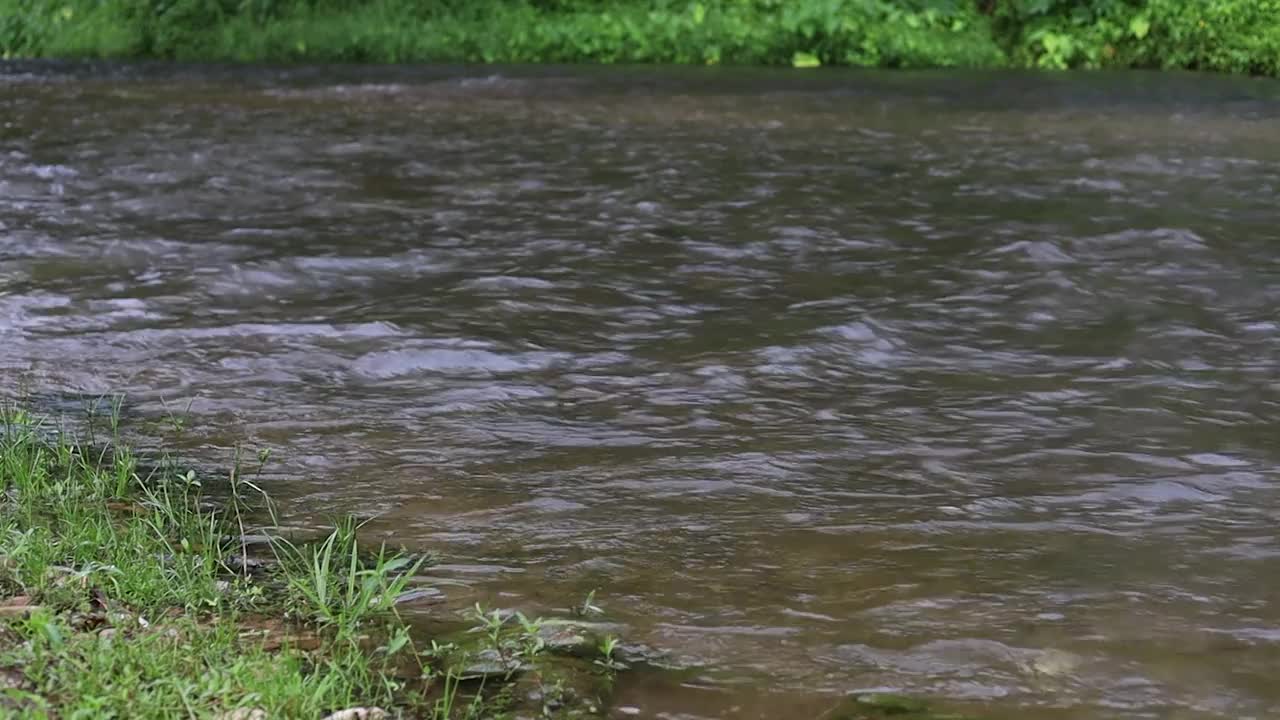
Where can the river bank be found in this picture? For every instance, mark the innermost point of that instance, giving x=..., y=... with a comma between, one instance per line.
x=126, y=590
x=1238, y=36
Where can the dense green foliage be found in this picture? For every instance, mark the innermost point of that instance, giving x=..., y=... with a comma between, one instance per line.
x=857, y=32
x=1221, y=35
x=1225, y=35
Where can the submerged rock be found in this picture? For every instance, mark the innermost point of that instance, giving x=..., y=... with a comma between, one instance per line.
x=638, y=655
x=489, y=665
x=876, y=706
x=1051, y=663
x=565, y=668
x=576, y=638
x=587, y=640
x=563, y=687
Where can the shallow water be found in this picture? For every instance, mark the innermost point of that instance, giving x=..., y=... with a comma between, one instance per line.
x=958, y=384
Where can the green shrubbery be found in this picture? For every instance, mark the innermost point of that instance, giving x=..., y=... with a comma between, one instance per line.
x=853, y=32
x=1225, y=35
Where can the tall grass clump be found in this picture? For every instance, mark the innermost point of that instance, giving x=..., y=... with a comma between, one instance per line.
x=337, y=588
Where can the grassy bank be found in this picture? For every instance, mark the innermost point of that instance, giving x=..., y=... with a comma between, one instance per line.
x=1219, y=35
x=127, y=592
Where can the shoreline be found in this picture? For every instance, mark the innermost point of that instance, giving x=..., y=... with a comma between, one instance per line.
x=125, y=589
x=1236, y=36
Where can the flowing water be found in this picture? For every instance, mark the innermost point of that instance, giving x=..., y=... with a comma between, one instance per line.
x=964, y=385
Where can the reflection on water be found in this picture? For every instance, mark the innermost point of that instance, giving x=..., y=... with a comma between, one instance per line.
x=957, y=384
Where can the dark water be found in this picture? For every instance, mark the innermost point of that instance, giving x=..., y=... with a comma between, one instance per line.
x=964, y=385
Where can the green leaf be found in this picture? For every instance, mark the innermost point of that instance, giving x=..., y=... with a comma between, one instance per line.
x=805, y=60
x=1140, y=25
x=398, y=641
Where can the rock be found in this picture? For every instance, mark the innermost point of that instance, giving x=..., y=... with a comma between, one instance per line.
x=488, y=664
x=563, y=685
x=17, y=606
x=12, y=679
x=240, y=564
x=244, y=714
x=87, y=621
x=1051, y=663
x=576, y=638
x=569, y=639
x=637, y=654
x=16, y=698
x=17, y=611
x=422, y=595
x=358, y=713
x=875, y=706
x=890, y=704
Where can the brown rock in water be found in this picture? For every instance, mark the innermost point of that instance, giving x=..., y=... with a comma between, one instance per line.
x=886, y=706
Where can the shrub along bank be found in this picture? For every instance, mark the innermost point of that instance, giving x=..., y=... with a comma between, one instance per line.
x=1240, y=36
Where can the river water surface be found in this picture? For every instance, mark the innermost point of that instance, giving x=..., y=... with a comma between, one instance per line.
x=963, y=385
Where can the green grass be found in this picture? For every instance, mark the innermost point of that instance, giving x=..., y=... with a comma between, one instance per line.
x=120, y=602
x=182, y=668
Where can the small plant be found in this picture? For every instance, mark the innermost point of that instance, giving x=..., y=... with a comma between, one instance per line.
x=531, y=641
x=398, y=641
x=177, y=422
x=608, y=647
x=554, y=697
x=491, y=624
x=587, y=607
x=443, y=708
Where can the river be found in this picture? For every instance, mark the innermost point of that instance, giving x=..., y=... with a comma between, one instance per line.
x=958, y=384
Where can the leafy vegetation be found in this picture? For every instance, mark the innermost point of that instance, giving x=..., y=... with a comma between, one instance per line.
x=1223, y=35
x=129, y=593
x=853, y=32
x=1241, y=36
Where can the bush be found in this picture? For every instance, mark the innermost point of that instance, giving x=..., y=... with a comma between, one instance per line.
x=1224, y=35
x=856, y=32
x=1241, y=36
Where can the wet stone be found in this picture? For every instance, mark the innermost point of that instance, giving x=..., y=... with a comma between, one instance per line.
x=489, y=664
x=878, y=706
